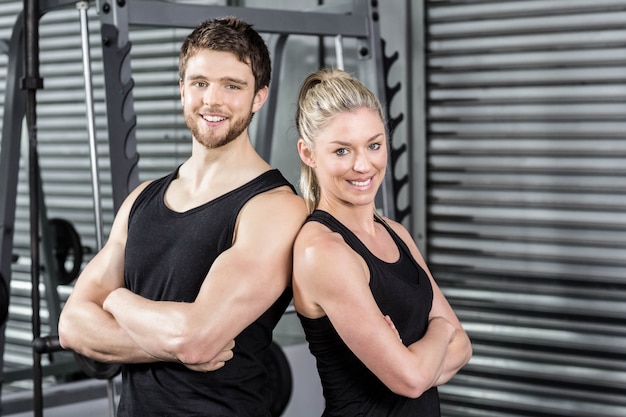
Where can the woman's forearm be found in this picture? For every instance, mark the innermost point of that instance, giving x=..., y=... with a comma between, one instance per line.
x=457, y=355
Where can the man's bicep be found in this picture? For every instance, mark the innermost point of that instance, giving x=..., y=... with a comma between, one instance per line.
x=103, y=274
x=268, y=226
x=233, y=295
x=105, y=271
x=244, y=276
x=245, y=280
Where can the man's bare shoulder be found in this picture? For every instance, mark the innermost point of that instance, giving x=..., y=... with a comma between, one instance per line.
x=282, y=199
x=276, y=209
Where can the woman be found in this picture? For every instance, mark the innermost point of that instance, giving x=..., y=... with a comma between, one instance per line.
x=382, y=332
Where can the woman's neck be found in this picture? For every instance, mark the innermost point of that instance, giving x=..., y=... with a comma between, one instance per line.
x=356, y=218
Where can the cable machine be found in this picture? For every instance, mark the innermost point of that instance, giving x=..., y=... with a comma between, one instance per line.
x=356, y=19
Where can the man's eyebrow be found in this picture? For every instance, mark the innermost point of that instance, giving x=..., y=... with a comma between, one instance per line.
x=193, y=77
x=235, y=80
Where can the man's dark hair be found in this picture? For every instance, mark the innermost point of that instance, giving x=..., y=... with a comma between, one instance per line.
x=230, y=34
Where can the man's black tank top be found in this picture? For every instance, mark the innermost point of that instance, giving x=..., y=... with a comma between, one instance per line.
x=403, y=291
x=168, y=255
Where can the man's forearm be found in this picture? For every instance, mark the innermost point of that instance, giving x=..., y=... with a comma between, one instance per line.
x=149, y=323
x=86, y=329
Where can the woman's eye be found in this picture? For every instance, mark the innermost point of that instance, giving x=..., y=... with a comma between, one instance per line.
x=341, y=151
x=375, y=146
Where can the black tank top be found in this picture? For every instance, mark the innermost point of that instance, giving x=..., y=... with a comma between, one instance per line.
x=403, y=291
x=168, y=255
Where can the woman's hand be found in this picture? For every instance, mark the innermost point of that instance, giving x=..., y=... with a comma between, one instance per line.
x=393, y=326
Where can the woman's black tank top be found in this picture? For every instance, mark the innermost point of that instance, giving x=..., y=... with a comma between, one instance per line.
x=403, y=291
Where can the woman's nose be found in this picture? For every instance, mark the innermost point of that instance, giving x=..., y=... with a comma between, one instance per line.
x=361, y=163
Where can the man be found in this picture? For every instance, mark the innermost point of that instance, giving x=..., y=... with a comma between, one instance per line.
x=196, y=272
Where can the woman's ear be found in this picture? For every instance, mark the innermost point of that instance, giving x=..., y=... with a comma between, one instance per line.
x=306, y=153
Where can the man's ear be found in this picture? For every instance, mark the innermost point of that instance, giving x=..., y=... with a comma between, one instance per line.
x=306, y=153
x=181, y=85
x=259, y=98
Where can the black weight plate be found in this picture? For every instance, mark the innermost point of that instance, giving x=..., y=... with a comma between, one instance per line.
x=95, y=369
x=280, y=379
x=67, y=250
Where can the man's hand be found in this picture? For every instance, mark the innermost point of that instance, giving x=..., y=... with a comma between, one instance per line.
x=217, y=362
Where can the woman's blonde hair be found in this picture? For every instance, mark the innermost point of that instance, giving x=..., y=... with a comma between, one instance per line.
x=323, y=95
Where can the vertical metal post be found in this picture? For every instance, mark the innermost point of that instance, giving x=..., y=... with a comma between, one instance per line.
x=82, y=7
x=13, y=116
x=339, y=51
x=120, y=111
x=31, y=82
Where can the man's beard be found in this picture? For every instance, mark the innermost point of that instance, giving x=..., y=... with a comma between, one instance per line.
x=210, y=140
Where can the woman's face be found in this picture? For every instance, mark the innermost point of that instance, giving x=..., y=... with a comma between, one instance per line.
x=349, y=158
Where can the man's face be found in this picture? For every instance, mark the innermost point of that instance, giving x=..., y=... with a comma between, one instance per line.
x=218, y=97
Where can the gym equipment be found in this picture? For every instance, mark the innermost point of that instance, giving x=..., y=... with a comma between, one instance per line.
x=31, y=82
x=97, y=369
x=280, y=378
x=356, y=19
x=4, y=301
x=67, y=249
x=91, y=368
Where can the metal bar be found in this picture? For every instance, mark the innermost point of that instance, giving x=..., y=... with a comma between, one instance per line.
x=14, y=110
x=121, y=119
x=82, y=7
x=372, y=50
x=417, y=127
x=167, y=14
x=339, y=51
x=265, y=124
x=31, y=82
